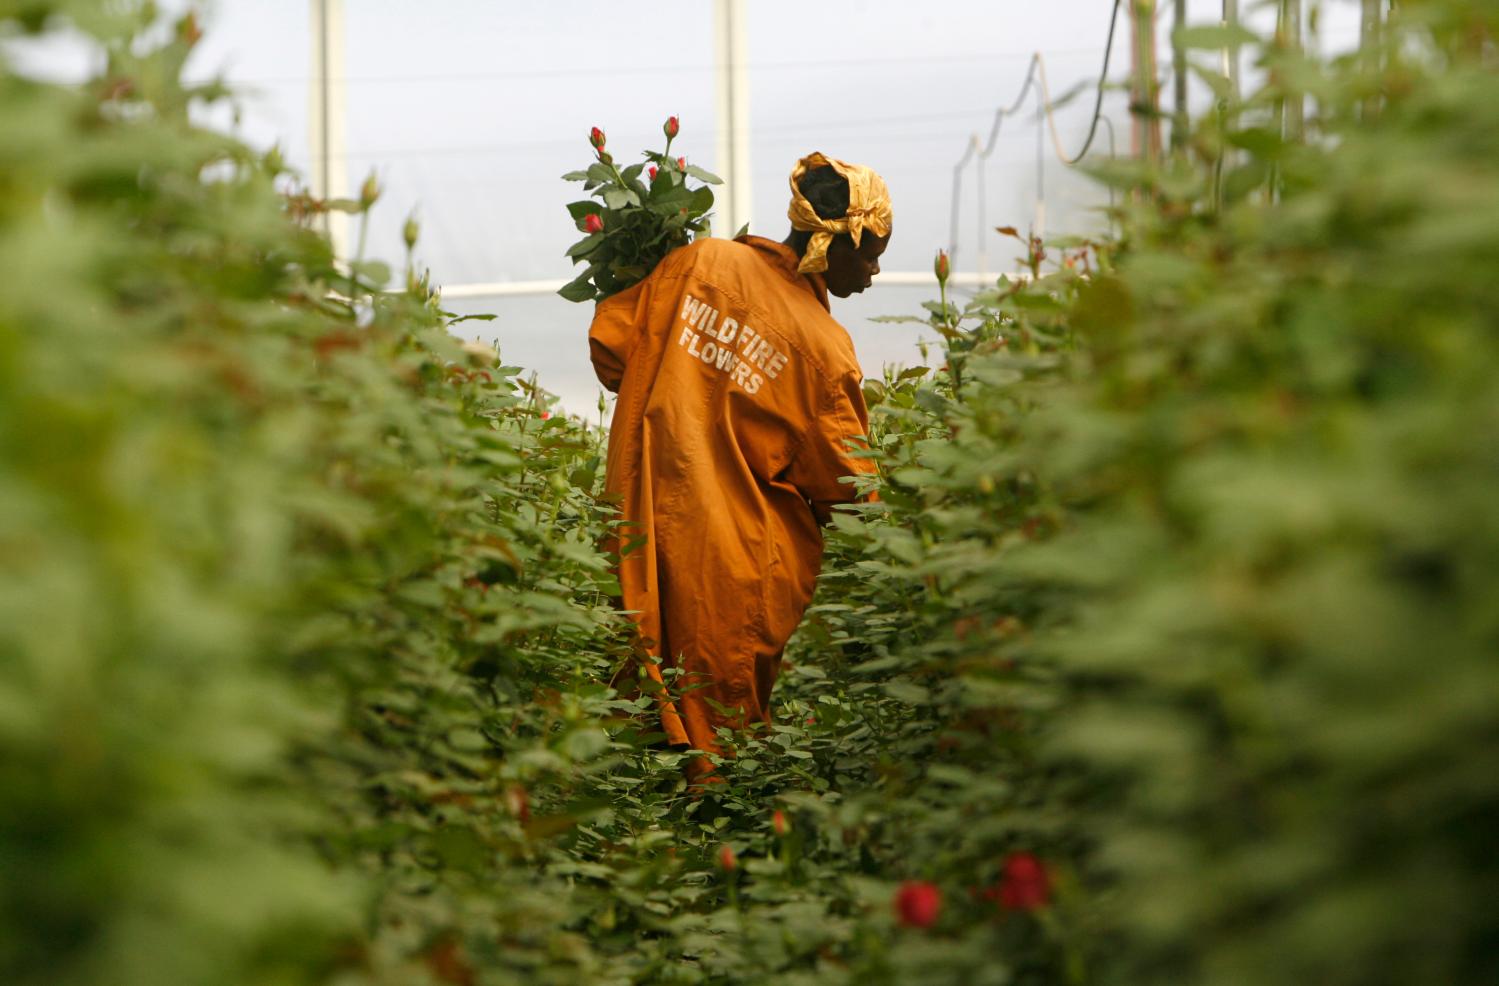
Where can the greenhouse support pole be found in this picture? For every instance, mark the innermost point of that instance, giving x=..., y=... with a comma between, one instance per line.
x=732, y=85
x=1230, y=102
x=1231, y=53
x=1144, y=85
x=1295, y=120
x=326, y=133
x=1369, y=30
x=981, y=256
x=1179, y=119
x=1371, y=16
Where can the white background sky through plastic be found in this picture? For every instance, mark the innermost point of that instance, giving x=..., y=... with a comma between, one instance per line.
x=470, y=110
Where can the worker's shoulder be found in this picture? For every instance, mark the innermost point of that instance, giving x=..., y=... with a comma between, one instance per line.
x=737, y=269
x=708, y=254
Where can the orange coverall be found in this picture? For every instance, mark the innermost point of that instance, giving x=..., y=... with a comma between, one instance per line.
x=738, y=396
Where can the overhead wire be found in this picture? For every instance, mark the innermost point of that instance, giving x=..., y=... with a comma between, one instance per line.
x=1035, y=77
x=1103, y=77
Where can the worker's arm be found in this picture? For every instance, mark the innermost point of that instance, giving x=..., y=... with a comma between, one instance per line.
x=617, y=323
x=828, y=452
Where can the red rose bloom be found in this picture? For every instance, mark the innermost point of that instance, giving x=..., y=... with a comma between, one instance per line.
x=1023, y=884
x=682, y=163
x=917, y=903
x=652, y=172
x=593, y=222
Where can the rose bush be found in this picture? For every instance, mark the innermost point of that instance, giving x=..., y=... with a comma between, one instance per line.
x=293, y=584
x=1164, y=655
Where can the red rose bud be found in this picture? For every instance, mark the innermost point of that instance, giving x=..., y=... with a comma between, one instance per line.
x=596, y=138
x=779, y=823
x=727, y=861
x=682, y=163
x=940, y=267
x=1024, y=884
x=593, y=222
x=671, y=127
x=652, y=172
x=917, y=903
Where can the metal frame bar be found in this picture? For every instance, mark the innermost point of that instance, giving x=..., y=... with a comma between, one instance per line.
x=731, y=81
x=889, y=278
x=326, y=117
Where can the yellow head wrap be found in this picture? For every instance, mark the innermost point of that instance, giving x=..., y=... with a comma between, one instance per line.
x=868, y=208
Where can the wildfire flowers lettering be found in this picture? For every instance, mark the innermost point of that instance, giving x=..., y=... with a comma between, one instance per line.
x=917, y=903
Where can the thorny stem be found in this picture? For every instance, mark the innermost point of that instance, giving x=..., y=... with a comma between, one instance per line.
x=364, y=228
x=551, y=527
x=950, y=330
x=599, y=443
x=364, y=225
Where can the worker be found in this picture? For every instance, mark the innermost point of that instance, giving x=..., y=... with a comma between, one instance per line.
x=740, y=415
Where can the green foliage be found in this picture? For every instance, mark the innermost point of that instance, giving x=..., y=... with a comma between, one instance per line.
x=1179, y=580
x=644, y=212
x=286, y=573
x=1278, y=557
x=1199, y=562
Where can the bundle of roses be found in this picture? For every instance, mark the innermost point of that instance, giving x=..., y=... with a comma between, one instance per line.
x=644, y=211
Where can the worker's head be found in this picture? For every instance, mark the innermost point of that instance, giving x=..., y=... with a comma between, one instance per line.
x=840, y=222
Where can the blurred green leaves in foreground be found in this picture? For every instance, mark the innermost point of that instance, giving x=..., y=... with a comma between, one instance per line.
x=1167, y=654
x=283, y=565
